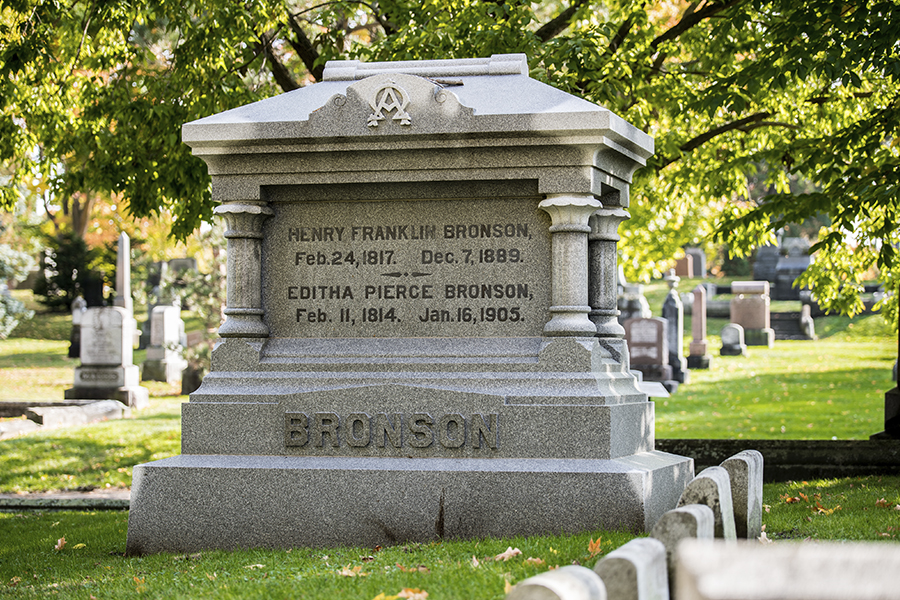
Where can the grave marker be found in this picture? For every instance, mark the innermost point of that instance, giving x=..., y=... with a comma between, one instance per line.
x=408, y=309
x=107, y=368
x=673, y=313
x=164, y=361
x=698, y=357
x=750, y=310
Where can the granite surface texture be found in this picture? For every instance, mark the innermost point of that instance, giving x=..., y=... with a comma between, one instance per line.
x=635, y=571
x=420, y=339
x=191, y=502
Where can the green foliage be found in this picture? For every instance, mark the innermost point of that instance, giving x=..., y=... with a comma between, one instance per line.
x=67, y=271
x=744, y=100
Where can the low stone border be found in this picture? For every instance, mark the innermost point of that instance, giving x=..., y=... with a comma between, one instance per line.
x=797, y=459
x=116, y=499
x=53, y=414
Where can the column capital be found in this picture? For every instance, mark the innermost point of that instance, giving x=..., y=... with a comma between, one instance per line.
x=570, y=212
x=605, y=224
x=244, y=219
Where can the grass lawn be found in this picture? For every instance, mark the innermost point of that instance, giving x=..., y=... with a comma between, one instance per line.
x=833, y=387
x=34, y=562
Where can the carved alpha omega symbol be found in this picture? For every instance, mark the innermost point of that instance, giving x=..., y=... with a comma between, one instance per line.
x=387, y=98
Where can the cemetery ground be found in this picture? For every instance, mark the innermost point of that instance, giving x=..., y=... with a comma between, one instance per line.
x=830, y=388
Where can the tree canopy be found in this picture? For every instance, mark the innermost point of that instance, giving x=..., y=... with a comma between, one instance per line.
x=93, y=94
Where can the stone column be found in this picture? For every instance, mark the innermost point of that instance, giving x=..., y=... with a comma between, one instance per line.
x=123, y=274
x=602, y=271
x=569, y=310
x=244, y=294
x=698, y=358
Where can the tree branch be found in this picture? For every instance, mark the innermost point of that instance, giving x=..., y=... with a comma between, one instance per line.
x=689, y=19
x=305, y=50
x=741, y=124
x=283, y=77
x=559, y=23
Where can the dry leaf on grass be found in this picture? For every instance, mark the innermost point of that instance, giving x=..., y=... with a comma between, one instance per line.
x=418, y=569
x=354, y=572
x=60, y=543
x=510, y=552
x=475, y=562
x=882, y=503
x=413, y=594
x=594, y=547
x=254, y=566
x=534, y=561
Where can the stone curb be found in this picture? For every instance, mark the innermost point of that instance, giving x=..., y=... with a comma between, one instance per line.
x=102, y=500
x=796, y=459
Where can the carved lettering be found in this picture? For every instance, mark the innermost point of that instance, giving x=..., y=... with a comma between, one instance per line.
x=327, y=424
x=452, y=430
x=388, y=428
x=420, y=428
x=296, y=429
x=358, y=429
x=489, y=432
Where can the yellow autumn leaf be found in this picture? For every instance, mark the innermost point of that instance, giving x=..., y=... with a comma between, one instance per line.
x=507, y=586
x=413, y=594
x=510, y=552
x=354, y=572
x=79, y=546
x=381, y=596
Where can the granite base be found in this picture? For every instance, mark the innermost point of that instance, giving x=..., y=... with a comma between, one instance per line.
x=759, y=337
x=192, y=502
x=698, y=362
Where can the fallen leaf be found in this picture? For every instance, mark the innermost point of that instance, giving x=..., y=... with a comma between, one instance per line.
x=413, y=594
x=211, y=577
x=553, y=551
x=594, y=547
x=882, y=503
x=804, y=496
x=354, y=572
x=14, y=581
x=419, y=569
x=764, y=539
x=79, y=546
x=254, y=566
x=369, y=558
x=381, y=596
x=60, y=543
x=475, y=562
x=510, y=552
x=507, y=586
x=534, y=561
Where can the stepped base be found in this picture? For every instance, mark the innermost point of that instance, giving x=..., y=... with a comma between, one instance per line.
x=194, y=502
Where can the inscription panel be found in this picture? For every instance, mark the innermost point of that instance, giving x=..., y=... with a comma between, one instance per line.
x=407, y=269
